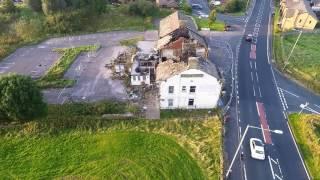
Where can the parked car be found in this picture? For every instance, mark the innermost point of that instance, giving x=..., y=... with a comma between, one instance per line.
x=227, y=27
x=249, y=37
x=257, y=149
x=215, y=3
x=196, y=6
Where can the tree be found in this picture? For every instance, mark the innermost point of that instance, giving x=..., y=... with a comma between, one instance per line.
x=20, y=98
x=235, y=6
x=53, y=6
x=7, y=6
x=35, y=5
x=212, y=16
x=142, y=8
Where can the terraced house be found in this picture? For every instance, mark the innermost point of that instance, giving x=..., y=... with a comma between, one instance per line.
x=296, y=14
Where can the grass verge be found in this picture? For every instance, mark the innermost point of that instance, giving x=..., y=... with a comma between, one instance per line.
x=204, y=23
x=307, y=134
x=53, y=78
x=109, y=148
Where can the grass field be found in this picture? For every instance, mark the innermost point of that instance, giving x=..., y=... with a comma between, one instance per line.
x=120, y=155
x=306, y=129
x=173, y=148
x=54, y=77
x=304, y=64
x=204, y=23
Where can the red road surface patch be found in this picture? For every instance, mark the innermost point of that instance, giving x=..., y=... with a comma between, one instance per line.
x=264, y=124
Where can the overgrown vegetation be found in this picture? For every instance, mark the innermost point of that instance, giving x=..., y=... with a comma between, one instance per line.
x=54, y=77
x=33, y=22
x=215, y=26
x=132, y=41
x=20, y=98
x=236, y=7
x=81, y=129
x=184, y=6
x=307, y=134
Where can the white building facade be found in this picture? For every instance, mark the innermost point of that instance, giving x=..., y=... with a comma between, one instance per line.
x=190, y=89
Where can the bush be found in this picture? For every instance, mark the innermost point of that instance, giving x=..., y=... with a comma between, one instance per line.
x=28, y=30
x=35, y=5
x=7, y=6
x=64, y=22
x=234, y=6
x=20, y=98
x=142, y=8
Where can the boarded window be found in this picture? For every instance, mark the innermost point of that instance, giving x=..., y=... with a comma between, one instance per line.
x=192, y=89
x=191, y=102
x=171, y=89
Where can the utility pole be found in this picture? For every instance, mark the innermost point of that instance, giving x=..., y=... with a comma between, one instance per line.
x=287, y=61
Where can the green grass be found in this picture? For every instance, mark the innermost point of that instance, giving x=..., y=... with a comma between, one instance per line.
x=132, y=41
x=79, y=128
x=127, y=155
x=204, y=23
x=53, y=78
x=307, y=136
x=304, y=64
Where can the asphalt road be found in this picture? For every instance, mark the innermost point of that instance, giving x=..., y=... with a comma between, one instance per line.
x=258, y=104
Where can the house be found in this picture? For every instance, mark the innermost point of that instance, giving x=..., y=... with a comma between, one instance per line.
x=179, y=38
x=296, y=14
x=168, y=3
x=143, y=69
x=192, y=85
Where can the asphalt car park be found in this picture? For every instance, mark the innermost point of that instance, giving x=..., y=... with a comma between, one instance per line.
x=93, y=80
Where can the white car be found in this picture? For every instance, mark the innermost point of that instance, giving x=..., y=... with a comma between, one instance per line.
x=215, y=3
x=257, y=149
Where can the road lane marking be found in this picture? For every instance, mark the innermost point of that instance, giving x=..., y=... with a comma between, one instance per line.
x=245, y=171
x=255, y=65
x=250, y=65
x=290, y=93
x=260, y=92
x=251, y=76
x=317, y=105
x=4, y=67
x=271, y=167
x=257, y=77
x=254, y=91
x=279, y=168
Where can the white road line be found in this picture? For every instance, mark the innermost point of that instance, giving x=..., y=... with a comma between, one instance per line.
x=295, y=143
x=317, y=105
x=264, y=137
x=258, y=108
x=279, y=168
x=290, y=93
x=284, y=115
x=4, y=67
x=260, y=92
x=257, y=77
x=251, y=76
x=250, y=64
x=271, y=167
x=245, y=171
x=268, y=38
x=255, y=65
x=254, y=91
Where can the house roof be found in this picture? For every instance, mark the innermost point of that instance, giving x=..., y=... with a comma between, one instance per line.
x=203, y=65
x=167, y=69
x=163, y=41
x=175, y=21
x=301, y=5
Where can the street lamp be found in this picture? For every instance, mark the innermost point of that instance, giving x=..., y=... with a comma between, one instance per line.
x=242, y=138
x=287, y=61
